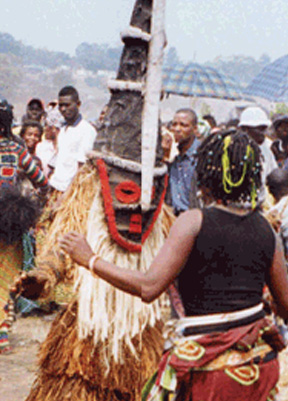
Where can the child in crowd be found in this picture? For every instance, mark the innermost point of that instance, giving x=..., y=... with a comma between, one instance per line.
x=31, y=133
x=46, y=150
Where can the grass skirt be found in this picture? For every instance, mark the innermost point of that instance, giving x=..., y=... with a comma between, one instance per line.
x=71, y=369
x=105, y=345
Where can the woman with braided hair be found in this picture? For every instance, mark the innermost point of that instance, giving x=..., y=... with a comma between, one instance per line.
x=229, y=168
x=222, y=347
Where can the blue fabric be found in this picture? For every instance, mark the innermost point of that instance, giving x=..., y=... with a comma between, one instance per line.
x=180, y=177
x=25, y=305
x=28, y=242
x=196, y=80
x=271, y=83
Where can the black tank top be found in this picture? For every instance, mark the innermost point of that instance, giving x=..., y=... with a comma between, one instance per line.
x=227, y=266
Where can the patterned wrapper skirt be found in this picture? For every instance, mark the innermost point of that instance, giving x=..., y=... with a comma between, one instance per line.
x=238, y=364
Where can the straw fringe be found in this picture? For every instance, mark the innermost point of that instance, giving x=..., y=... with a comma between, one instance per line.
x=168, y=219
x=72, y=368
x=71, y=215
x=106, y=341
x=105, y=311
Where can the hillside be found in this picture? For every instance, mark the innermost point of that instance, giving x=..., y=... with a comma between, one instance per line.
x=27, y=72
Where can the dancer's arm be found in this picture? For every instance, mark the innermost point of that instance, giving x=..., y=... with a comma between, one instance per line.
x=277, y=280
x=163, y=270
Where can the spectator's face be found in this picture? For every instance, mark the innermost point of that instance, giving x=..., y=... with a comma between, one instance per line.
x=183, y=128
x=69, y=108
x=282, y=130
x=256, y=133
x=32, y=137
x=34, y=112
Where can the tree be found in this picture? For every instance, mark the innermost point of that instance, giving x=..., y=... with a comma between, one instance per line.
x=10, y=75
x=264, y=59
x=281, y=108
x=96, y=57
x=171, y=57
x=46, y=58
x=9, y=45
x=62, y=78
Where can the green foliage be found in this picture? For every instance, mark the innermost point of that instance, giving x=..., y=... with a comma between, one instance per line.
x=62, y=78
x=26, y=71
x=91, y=56
x=30, y=55
x=96, y=57
x=9, y=45
x=242, y=68
x=43, y=57
x=281, y=108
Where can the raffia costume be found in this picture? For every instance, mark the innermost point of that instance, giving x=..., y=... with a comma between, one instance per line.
x=106, y=343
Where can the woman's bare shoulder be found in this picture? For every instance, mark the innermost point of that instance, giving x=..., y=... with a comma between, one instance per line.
x=189, y=222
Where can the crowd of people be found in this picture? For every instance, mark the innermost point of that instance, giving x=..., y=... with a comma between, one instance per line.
x=39, y=159
x=225, y=254
x=187, y=132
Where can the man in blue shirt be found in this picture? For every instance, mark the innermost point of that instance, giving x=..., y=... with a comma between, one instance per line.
x=181, y=178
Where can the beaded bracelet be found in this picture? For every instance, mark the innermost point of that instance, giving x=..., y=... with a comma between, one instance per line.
x=92, y=260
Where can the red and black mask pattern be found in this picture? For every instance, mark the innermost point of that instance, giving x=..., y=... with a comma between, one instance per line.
x=128, y=225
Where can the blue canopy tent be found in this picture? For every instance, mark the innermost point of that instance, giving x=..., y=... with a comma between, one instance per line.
x=272, y=82
x=200, y=81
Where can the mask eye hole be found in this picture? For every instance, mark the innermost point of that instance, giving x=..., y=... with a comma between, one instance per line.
x=128, y=192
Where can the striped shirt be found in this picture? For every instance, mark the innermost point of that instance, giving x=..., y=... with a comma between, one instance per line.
x=15, y=157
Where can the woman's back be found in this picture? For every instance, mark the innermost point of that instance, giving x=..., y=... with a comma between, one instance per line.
x=226, y=269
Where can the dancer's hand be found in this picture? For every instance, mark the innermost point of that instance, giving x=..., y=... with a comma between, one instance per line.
x=31, y=285
x=77, y=247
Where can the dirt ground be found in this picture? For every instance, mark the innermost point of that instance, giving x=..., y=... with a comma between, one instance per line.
x=18, y=368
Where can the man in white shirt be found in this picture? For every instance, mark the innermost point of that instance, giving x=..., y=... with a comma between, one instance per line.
x=255, y=122
x=75, y=139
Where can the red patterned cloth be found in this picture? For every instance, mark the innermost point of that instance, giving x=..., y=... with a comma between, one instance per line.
x=259, y=384
x=14, y=157
x=239, y=364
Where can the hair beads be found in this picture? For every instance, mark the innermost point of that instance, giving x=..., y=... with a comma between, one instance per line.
x=227, y=181
x=229, y=165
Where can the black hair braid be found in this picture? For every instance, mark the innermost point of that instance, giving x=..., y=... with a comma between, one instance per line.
x=242, y=155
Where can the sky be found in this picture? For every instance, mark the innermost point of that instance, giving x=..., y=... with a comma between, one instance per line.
x=200, y=30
